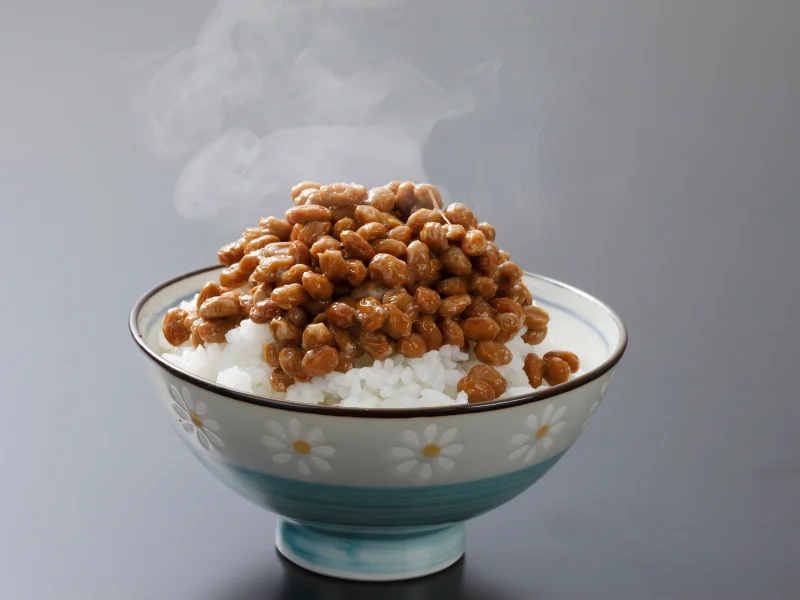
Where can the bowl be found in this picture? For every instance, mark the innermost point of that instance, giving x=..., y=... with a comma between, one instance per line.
x=382, y=494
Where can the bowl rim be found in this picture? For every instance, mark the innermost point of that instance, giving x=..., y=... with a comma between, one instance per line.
x=405, y=413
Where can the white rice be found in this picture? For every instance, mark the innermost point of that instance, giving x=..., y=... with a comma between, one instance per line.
x=397, y=382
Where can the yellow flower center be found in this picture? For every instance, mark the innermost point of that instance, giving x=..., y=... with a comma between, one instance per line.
x=301, y=447
x=542, y=431
x=195, y=419
x=431, y=451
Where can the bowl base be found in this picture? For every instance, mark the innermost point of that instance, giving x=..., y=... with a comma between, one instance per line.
x=370, y=553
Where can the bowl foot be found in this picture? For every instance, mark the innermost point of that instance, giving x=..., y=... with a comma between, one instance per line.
x=370, y=553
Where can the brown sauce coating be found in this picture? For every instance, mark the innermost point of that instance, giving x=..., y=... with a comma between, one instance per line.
x=351, y=271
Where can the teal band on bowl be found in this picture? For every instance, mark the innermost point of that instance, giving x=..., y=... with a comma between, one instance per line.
x=373, y=506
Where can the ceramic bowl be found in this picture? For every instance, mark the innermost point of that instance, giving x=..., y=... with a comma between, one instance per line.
x=375, y=494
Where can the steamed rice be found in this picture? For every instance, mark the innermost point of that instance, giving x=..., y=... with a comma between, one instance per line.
x=397, y=382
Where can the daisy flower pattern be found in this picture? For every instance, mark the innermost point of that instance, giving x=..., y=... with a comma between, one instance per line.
x=541, y=437
x=289, y=446
x=421, y=453
x=193, y=419
x=596, y=403
x=592, y=408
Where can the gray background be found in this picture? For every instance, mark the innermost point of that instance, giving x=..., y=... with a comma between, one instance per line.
x=667, y=186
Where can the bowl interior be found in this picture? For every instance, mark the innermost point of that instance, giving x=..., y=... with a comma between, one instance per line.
x=579, y=322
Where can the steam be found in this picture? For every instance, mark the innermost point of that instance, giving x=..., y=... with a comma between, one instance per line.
x=279, y=91
x=498, y=175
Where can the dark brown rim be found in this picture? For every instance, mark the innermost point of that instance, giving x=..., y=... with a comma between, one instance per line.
x=405, y=413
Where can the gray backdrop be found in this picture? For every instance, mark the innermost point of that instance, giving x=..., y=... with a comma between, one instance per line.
x=667, y=186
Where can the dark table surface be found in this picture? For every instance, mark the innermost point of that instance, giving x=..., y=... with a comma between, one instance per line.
x=664, y=180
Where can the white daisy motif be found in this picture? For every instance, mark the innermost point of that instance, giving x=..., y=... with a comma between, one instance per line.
x=539, y=441
x=193, y=419
x=290, y=446
x=596, y=403
x=421, y=453
x=604, y=389
x=592, y=408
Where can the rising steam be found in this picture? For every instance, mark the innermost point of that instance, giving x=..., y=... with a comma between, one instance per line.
x=278, y=91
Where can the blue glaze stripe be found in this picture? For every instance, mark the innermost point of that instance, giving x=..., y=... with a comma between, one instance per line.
x=389, y=506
